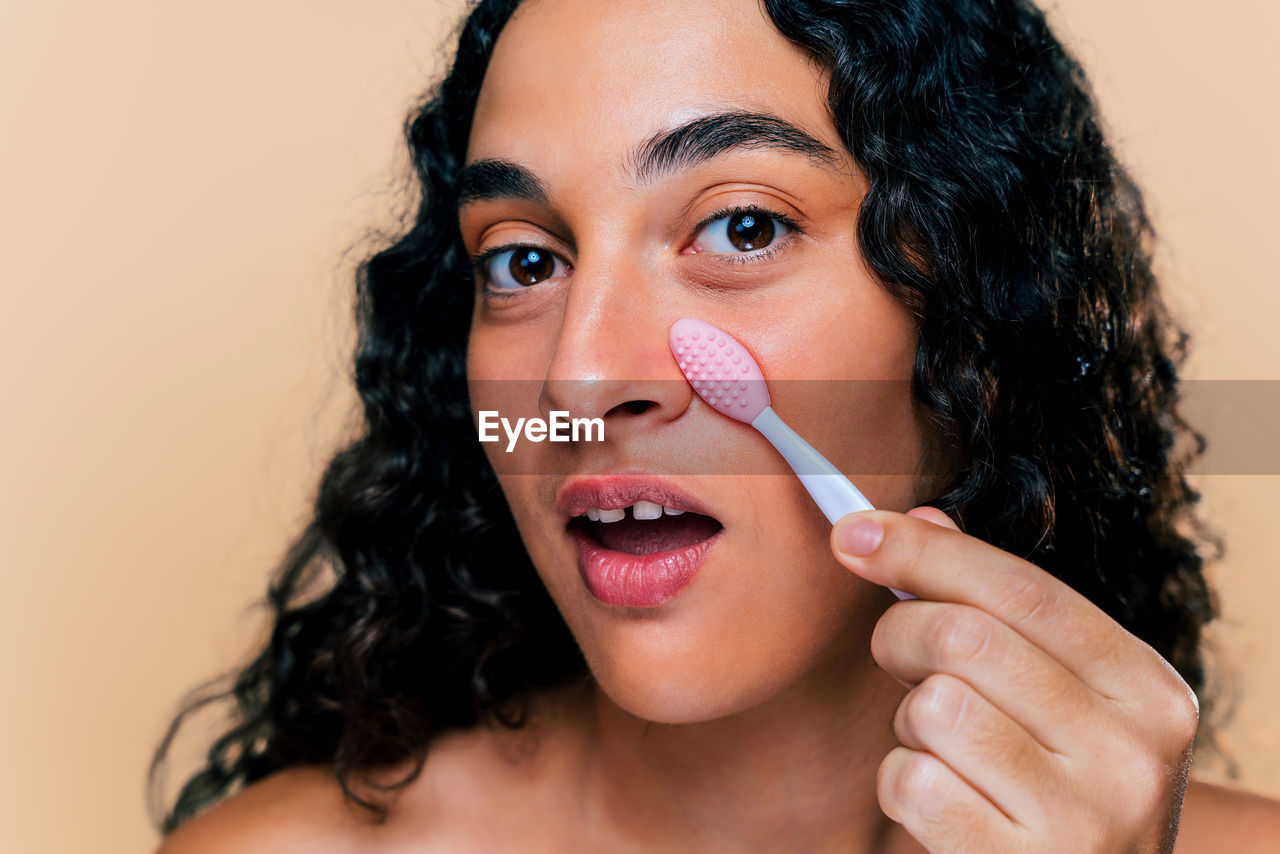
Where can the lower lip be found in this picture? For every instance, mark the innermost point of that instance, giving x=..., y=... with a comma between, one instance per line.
x=638, y=581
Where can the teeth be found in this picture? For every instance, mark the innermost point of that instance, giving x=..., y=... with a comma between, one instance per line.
x=639, y=510
x=646, y=510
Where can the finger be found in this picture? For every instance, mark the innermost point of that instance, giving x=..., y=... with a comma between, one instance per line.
x=936, y=806
x=917, y=638
x=984, y=746
x=943, y=565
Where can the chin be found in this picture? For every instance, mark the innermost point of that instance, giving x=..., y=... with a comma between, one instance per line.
x=667, y=698
x=660, y=674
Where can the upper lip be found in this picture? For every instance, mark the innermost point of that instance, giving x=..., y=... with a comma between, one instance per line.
x=613, y=491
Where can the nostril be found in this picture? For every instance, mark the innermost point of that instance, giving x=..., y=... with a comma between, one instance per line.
x=635, y=407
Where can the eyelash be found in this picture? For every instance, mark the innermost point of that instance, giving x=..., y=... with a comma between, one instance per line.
x=480, y=261
x=763, y=254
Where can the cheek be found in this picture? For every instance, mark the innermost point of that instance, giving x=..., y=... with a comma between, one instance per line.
x=486, y=356
x=498, y=384
x=793, y=598
x=847, y=388
x=872, y=431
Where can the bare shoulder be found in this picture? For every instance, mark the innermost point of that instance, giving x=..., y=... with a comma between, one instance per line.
x=298, y=809
x=1220, y=818
x=482, y=788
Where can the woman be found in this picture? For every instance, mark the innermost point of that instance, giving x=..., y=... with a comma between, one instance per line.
x=910, y=198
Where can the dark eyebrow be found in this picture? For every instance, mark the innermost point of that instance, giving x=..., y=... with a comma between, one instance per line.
x=695, y=142
x=676, y=149
x=499, y=179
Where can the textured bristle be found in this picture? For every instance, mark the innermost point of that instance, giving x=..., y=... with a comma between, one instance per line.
x=719, y=368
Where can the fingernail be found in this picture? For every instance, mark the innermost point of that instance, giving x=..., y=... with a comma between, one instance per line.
x=860, y=537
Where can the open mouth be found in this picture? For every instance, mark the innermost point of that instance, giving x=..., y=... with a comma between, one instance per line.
x=650, y=535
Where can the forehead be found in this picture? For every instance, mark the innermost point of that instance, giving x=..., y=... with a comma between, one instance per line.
x=576, y=83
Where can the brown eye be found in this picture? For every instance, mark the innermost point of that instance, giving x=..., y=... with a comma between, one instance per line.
x=531, y=266
x=522, y=267
x=750, y=231
x=744, y=230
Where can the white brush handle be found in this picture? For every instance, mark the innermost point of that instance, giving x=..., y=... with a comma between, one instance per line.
x=835, y=495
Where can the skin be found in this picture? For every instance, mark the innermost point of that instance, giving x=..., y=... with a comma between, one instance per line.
x=783, y=700
x=634, y=272
x=761, y=663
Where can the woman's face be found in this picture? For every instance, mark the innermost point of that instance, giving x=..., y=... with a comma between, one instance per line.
x=623, y=248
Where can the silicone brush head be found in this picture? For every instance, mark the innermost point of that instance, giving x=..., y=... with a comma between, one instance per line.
x=720, y=369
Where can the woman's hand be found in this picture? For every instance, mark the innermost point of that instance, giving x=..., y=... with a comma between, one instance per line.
x=1034, y=722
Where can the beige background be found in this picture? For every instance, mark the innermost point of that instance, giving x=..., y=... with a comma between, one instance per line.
x=178, y=185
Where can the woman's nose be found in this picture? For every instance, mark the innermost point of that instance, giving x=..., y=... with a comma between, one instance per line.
x=611, y=358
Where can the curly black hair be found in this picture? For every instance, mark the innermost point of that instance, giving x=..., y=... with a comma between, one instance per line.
x=996, y=212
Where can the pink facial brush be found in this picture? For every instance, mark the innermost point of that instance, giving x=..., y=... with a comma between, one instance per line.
x=725, y=375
